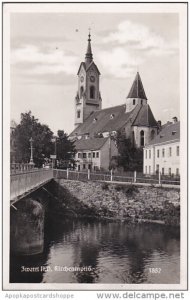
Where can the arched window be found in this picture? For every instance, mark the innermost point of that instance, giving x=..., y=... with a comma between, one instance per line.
x=152, y=134
x=142, y=138
x=133, y=139
x=81, y=91
x=78, y=114
x=92, y=92
x=133, y=101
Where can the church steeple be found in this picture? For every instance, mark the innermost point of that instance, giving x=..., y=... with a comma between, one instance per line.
x=88, y=98
x=89, y=56
x=137, y=90
x=136, y=94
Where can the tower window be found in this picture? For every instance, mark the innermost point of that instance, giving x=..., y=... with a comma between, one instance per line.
x=81, y=91
x=142, y=138
x=78, y=114
x=134, y=101
x=92, y=92
x=141, y=102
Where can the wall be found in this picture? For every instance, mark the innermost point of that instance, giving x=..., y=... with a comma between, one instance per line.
x=129, y=103
x=166, y=162
x=94, y=161
x=108, y=150
x=121, y=202
x=147, y=134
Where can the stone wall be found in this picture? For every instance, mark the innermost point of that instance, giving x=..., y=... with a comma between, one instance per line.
x=121, y=202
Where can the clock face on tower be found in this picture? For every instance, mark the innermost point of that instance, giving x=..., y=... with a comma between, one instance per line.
x=82, y=79
x=92, y=78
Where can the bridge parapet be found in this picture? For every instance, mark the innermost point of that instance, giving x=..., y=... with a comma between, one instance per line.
x=25, y=182
x=16, y=168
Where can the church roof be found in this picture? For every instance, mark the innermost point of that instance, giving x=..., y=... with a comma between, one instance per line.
x=90, y=144
x=107, y=120
x=87, y=67
x=88, y=58
x=137, y=90
x=145, y=117
x=169, y=133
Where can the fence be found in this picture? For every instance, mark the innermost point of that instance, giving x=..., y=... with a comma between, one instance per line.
x=26, y=181
x=130, y=177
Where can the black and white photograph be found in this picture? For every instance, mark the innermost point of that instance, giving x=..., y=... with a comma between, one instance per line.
x=95, y=146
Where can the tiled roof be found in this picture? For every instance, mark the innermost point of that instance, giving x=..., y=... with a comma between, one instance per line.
x=145, y=117
x=90, y=144
x=101, y=121
x=169, y=133
x=137, y=90
x=86, y=67
x=114, y=118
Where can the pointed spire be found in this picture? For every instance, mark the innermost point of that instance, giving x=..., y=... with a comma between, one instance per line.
x=137, y=90
x=89, y=56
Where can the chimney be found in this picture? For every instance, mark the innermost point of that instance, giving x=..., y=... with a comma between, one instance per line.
x=174, y=119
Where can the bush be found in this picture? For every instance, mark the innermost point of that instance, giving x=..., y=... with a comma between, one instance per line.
x=126, y=189
x=105, y=186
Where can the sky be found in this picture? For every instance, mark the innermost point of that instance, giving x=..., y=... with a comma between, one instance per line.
x=47, y=49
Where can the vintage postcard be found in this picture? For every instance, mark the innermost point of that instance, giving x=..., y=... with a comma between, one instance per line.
x=95, y=146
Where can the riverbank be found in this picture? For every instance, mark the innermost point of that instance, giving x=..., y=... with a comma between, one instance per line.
x=136, y=204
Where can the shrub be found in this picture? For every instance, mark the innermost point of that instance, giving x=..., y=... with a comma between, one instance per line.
x=105, y=186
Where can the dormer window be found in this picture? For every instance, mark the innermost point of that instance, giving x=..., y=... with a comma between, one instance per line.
x=112, y=116
x=134, y=101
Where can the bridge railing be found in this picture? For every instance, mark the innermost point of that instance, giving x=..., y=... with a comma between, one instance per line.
x=16, y=168
x=22, y=183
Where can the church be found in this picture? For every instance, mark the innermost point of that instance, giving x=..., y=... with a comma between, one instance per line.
x=94, y=126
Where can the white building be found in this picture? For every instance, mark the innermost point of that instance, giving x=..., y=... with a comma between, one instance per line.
x=162, y=154
x=94, y=154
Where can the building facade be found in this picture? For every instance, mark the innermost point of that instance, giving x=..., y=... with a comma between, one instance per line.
x=134, y=118
x=94, y=154
x=162, y=154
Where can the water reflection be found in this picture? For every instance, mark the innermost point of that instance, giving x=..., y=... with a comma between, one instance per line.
x=113, y=253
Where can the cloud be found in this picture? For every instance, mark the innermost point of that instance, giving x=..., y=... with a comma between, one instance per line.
x=30, y=60
x=118, y=62
x=138, y=36
x=130, y=46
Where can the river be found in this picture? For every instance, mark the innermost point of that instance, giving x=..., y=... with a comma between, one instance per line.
x=102, y=252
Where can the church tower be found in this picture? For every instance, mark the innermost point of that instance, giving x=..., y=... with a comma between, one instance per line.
x=88, y=98
x=136, y=95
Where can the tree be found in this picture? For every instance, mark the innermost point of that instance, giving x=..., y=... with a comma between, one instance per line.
x=65, y=149
x=130, y=158
x=42, y=139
